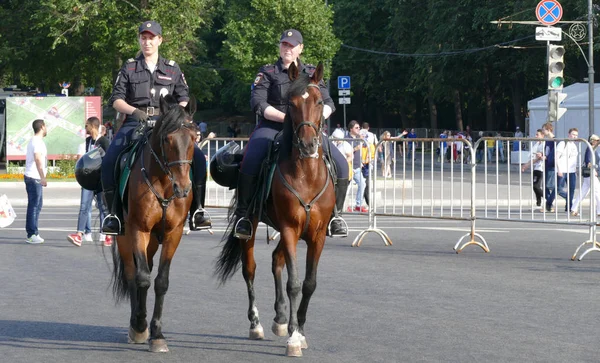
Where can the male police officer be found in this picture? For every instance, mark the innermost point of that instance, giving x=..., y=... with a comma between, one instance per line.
x=138, y=88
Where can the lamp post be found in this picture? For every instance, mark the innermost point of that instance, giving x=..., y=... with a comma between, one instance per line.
x=591, y=67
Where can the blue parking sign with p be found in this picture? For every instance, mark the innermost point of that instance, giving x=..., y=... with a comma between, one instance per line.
x=344, y=82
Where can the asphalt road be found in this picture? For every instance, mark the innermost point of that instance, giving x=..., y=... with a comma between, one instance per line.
x=416, y=301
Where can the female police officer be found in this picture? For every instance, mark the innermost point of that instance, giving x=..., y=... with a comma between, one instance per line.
x=139, y=85
x=269, y=100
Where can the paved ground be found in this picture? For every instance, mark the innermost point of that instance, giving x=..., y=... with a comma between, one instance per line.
x=416, y=301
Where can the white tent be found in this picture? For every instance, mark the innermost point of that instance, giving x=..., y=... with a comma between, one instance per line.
x=577, y=103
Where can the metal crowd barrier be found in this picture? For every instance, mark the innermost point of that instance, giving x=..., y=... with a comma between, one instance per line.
x=480, y=186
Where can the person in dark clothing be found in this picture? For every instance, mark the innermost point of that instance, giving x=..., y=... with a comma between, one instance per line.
x=138, y=88
x=269, y=100
x=549, y=166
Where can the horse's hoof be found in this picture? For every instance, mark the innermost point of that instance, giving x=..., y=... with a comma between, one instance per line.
x=137, y=338
x=294, y=345
x=158, y=346
x=281, y=330
x=294, y=350
x=303, y=343
x=257, y=333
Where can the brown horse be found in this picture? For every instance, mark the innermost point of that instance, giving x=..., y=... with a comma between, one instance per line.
x=299, y=205
x=158, y=203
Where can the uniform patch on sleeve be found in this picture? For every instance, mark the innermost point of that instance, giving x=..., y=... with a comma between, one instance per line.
x=184, y=81
x=258, y=78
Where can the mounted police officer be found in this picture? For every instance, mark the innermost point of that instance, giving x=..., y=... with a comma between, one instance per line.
x=269, y=99
x=140, y=84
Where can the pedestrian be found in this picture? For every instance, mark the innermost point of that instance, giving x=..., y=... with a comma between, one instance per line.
x=388, y=154
x=36, y=167
x=367, y=156
x=517, y=144
x=344, y=147
x=567, y=155
x=411, y=145
x=269, y=100
x=588, y=173
x=357, y=164
x=136, y=93
x=443, y=144
x=84, y=220
x=537, y=159
x=500, y=147
x=490, y=147
x=549, y=166
x=203, y=128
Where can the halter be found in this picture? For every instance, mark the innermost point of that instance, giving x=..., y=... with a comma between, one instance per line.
x=296, y=138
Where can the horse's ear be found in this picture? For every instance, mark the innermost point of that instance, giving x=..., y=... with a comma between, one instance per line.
x=164, y=105
x=293, y=72
x=190, y=108
x=318, y=74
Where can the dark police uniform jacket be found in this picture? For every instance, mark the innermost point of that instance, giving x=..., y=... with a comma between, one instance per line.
x=140, y=88
x=271, y=87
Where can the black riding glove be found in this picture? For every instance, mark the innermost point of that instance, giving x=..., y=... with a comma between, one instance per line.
x=140, y=115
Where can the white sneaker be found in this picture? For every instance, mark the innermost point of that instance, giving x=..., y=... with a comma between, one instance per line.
x=34, y=240
x=88, y=237
x=102, y=237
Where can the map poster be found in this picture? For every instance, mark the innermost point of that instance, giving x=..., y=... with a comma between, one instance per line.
x=65, y=122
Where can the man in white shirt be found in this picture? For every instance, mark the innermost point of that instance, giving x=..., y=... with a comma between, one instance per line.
x=36, y=166
x=566, y=167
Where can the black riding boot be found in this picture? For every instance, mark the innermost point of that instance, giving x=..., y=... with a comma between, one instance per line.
x=198, y=220
x=245, y=191
x=111, y=224
x=337, y=226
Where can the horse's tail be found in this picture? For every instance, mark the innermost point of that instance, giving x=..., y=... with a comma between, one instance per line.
x=230, y=258
x=119, y=283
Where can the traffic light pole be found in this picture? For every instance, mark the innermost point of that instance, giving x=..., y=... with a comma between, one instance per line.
x=591, y=67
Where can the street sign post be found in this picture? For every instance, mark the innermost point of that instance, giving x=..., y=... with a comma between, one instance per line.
x=344, y=90
x=549, y=12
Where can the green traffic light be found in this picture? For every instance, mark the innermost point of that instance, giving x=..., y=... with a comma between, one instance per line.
x=557, y=82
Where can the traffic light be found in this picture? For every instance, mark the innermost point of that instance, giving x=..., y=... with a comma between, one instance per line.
x=555, y=112
x=556, y=65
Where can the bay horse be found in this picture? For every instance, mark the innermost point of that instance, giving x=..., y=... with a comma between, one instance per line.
x=300, y=176
x=158, y=203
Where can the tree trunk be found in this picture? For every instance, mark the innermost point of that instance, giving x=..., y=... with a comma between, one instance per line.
x=458, y=110
x=432, y=109
x=489, y=111
x=517, y=103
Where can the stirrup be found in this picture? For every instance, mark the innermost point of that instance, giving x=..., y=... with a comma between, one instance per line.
x=111, y=216
x=238, y=235
x=193, y=219
x=338, y=218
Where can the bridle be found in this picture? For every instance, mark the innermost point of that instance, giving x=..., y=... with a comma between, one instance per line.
x=318, y=130
x=164, y=165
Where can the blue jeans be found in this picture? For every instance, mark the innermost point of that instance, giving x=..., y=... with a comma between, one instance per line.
x=84, y=221
x=550, y=188
x=569, y=179
x=34, y=205
x=359, y=179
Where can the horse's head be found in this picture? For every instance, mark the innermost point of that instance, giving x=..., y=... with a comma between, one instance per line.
x=174, y=135
x=306, y=110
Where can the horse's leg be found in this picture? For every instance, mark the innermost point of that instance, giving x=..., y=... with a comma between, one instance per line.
x=280, y=325
x=161, y=285
x=248, y=271
x=289, y=239
x=313, y=254
x=138, y=288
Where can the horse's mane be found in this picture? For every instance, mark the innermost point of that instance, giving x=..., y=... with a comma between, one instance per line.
x=171, y=120
x=297, y=88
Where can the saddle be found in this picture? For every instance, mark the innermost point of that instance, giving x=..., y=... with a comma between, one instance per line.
x=258, y=204
x=127, y=159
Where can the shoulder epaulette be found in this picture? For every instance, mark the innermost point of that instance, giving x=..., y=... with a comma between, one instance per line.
x=171, y=63
x=131, y=60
